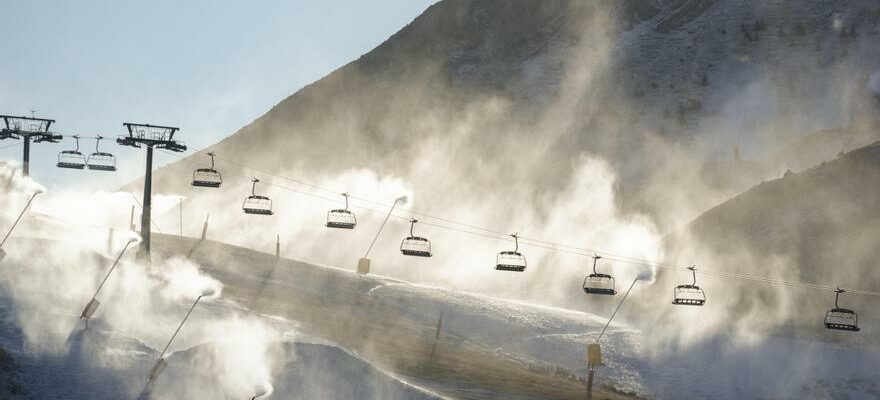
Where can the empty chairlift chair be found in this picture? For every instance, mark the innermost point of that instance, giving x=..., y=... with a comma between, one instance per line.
x=415, y=246
x=72, y=159
x=207, y=177
x=254, y=204
x=511, y=260
x=597, y=283
x=99, y=161
x=341, y=218
x=841, y=319
x=689, y=295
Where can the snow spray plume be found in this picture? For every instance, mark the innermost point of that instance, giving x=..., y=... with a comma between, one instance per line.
x=586, y=144
x=874, y=84
x=54, y=272
x=234, y=360
x=447, y=173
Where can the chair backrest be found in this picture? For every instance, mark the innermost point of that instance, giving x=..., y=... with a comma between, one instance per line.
x=599, y=280
x=511, y=258
x=258, y=201
x=415, y=241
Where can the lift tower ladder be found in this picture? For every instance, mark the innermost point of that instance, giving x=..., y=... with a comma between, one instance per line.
x=151, y=136
x=27, y=128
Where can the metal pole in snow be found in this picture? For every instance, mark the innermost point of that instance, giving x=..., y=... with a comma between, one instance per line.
x=363, y=267
x=160, y=363
x=401, y=199
x=180, y=326
x=94, y=303
x=592, y=368
x=17, y=220
x=618, y=308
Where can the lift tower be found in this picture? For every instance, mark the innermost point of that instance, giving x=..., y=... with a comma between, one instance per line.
x=151, y=136
x=26, y=128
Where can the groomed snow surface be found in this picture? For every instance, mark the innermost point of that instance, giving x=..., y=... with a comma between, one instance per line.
x=226, y=351
x=104, y=364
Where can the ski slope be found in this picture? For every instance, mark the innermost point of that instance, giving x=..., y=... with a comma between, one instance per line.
x=336, y=334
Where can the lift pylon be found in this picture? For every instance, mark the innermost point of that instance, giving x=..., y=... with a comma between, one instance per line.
x=27, y=128
x=151, y=136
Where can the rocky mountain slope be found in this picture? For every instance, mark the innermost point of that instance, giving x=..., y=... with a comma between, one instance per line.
x=511, y=94
x=817, y=226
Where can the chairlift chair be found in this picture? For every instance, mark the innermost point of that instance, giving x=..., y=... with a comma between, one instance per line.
x=841, y=319
x=100, y=161
x=207, y=177
x=254, y=204
x=511, y=260
x=597, y=283
x=341, y=218
x=689, y=295
x=415, y=246
x=72, y=159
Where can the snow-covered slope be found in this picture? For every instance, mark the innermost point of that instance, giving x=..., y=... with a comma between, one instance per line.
x=545, y=340
x=102, y=364
x=380, y=335
x=344, y=334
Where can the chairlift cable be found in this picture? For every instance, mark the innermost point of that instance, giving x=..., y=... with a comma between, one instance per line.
x=335, y=192
x=533, y=242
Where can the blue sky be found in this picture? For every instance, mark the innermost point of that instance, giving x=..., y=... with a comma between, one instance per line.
x=208, y=67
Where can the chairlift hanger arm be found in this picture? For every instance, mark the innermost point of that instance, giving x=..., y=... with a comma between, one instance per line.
x=254, y=186
x=837, y=296
x=346, y=200
x=596, y=259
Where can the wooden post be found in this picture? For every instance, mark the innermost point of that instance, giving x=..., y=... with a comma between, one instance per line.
x=594, y=359
x=436, y=337
x=590, y=381
x=205, y=227
x=277, y=246
x=131, y=220
x=181, y=216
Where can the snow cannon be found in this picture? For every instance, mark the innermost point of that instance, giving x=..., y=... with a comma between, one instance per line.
x=90, y=308
x=157, y=369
